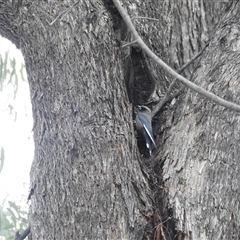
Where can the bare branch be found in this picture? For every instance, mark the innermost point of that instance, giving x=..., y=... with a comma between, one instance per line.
x=167, y=97
x=64, y=13
x=23, y=235
x=128, y=44
x=193, y=59
x=167, y=68
x=148, y=18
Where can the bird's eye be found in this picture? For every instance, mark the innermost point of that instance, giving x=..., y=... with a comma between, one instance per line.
x=139, y=107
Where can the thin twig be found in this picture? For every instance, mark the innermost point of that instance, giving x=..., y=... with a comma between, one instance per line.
x=148, y=18
x=167, y=96
x=63, y=13
x=167, y=68
x=193, y=59
x=128, y=44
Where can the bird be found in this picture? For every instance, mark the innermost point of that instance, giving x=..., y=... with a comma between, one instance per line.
x=144, y=126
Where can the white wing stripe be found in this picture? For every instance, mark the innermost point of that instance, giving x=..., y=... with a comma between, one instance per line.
x=149, y=134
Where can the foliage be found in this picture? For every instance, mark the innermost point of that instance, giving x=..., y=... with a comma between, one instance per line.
x=12, y=218
x=11, y=73
x=2, y=157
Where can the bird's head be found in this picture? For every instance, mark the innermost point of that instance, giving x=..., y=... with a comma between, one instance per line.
x=142, y=108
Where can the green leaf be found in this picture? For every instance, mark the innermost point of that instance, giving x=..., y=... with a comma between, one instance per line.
x=9, y=226
x=14, y=75
x=10, y=213
x=4, y=69
x=12, y=219
x=13, y=205
x=2, y=158
x=21, y=72
x=1, y=72
x=3, y=219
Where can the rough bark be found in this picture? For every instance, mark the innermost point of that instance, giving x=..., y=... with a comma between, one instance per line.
x=91, y=182
x=8, y=26
x=202, y=147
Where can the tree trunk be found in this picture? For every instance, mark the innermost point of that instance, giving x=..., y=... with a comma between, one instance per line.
x=88, y=180
x=201, y=169
x=91, y=181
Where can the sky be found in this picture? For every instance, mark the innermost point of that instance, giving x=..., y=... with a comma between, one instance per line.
x=15, y=134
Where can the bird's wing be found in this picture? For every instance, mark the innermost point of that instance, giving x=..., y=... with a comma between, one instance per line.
x=149, y=134
x=145, y=120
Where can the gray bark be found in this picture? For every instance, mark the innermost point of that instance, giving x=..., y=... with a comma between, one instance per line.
x=8, y=27
x=91, y=182
x=201, y=169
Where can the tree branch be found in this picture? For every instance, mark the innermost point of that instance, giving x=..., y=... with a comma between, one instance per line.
x=167, y=97
x=167, y=68
x=62, y=14
x=23, y=235
x=148, y=18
